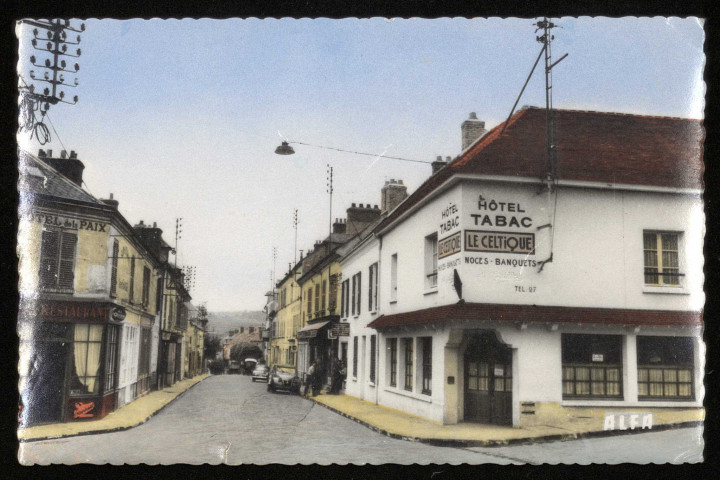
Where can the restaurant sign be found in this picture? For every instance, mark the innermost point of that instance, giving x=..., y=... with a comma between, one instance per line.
x=79, y=311
x=499, y=242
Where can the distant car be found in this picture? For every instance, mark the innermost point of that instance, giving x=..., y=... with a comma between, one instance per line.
x=261, y=373
x=233, y=366
x=279, y=380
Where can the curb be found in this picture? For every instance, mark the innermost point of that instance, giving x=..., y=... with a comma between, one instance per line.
x=116, y=429
x=560, y=437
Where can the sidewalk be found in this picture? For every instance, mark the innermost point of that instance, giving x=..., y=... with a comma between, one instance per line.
x=398, y=424
x=128, y=416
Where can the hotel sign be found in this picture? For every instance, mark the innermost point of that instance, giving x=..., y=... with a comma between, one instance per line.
x=499, y=242
x=449, y=246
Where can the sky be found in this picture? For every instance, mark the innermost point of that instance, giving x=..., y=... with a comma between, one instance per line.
x=181, y=118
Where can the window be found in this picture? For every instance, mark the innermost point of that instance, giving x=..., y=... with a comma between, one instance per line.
x=158, y=295
x=359, y=290
x=665, y=368
x=146, y=287
x=431, y=261
x=308, y=299
x=111, y=357
x=592, y=366
x=372, y=287
x=355, y=356
x=373, y=341
x=393, y=277
x=57, y=260
x=392, y=345
x=323, y=294
x=408, y=363
x=113, y=268
x=661, y=259
x=132, y=279
x=317, y=298
x=87, y=345
x=426, y=365
x=343, y=299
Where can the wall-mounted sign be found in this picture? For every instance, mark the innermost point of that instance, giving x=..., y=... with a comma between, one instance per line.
x=628, y=421
x=117, y=314
x=341, y=329
x=499, y=371
x=66, y=222
x=450, y=218
x=83, y=410
x=449, y=246
x=598, y=357
x=499, y=242
x=74, y=311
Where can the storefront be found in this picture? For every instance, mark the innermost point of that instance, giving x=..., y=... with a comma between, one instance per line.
x=73, y=351
x=317, y=342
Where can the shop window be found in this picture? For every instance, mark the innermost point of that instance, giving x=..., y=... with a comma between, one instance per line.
x=57, y=260
x=87, y=346
x=392, y=346
x=592, y=366
x=665, y=368
x=426, y=365
x=408, y=344
x=373, y=351
x=662, y=264
x=113, y=268
x=431, y=244
x=393, y=277
x=355, y=356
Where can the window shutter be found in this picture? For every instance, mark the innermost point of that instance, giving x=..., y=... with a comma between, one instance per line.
x=67, y=260
x=113, y=272
x=359, y=303
x=49, y=258
x=370, y=284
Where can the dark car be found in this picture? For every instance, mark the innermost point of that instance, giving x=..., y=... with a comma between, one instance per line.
x=279, y=380
x=261, y=373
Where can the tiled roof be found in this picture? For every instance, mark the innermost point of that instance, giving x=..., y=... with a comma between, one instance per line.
x=51, y=183
x=591, y=146
x=538, y=314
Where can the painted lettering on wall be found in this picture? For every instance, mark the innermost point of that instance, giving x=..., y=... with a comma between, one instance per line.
x=499, y=242
x=628, y=421
x=449, y=245
x=509, y=262
x=450, y=218
x=73, y=310
x=500, y=217
x=84, y=409
x=66, y=222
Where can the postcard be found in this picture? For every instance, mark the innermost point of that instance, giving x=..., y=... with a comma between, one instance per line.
x=361, y=241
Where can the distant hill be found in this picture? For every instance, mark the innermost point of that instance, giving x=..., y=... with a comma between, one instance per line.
x=219, y=323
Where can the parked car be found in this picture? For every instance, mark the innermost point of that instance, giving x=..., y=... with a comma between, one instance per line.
x=261, y=373
x=279, y=380
x=233, y=366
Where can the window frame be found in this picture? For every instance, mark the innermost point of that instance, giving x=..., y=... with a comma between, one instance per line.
x=426, y=365
x=665, y=363
x=589, y=378
x=660, y=270
x=373, y=361
x=408, y=352
x=393, y=347
x=431, y=271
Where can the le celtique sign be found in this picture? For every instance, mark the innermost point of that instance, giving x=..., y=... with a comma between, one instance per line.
x=499, y=242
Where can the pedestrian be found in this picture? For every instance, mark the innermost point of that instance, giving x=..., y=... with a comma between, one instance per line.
x=309, y=378
x=317, y=378
x=337, y=377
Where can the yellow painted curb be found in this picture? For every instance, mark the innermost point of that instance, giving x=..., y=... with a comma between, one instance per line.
x=131, y=415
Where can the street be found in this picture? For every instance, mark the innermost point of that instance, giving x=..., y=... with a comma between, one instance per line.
x=228, y=419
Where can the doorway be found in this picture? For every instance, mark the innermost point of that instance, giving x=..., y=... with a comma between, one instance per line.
x=488, y=380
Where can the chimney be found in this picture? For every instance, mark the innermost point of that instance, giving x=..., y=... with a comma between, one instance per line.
x=151, y=237
x=472, y=129
x=392, y=195
x=110, y=201
x=438, y=164
x=358, y=218
x=71, y=167
x=339, y=226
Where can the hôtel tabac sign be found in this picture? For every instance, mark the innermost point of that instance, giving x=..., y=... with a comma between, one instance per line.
x=497, y=227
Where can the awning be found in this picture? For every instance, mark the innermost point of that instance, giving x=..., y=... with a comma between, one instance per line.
x=311, y=330
x=486, y=312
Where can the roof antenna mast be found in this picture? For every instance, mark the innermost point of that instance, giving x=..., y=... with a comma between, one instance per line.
x=546, y=39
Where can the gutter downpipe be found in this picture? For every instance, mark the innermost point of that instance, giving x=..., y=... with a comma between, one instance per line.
x=377, y=350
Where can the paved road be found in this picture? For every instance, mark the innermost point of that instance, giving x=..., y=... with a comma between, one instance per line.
x=228, y=419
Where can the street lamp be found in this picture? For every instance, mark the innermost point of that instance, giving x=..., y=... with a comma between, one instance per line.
x=286, y=149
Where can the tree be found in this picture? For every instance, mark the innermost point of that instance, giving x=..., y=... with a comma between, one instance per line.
x=243, y=350
x=211, y=346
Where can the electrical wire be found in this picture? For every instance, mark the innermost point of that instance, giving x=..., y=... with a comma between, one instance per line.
x=362, y=153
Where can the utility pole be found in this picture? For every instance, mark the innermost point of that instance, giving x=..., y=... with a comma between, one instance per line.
x=50, y=36
x=178, y=235
x=330, y=191
x=295, y=226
